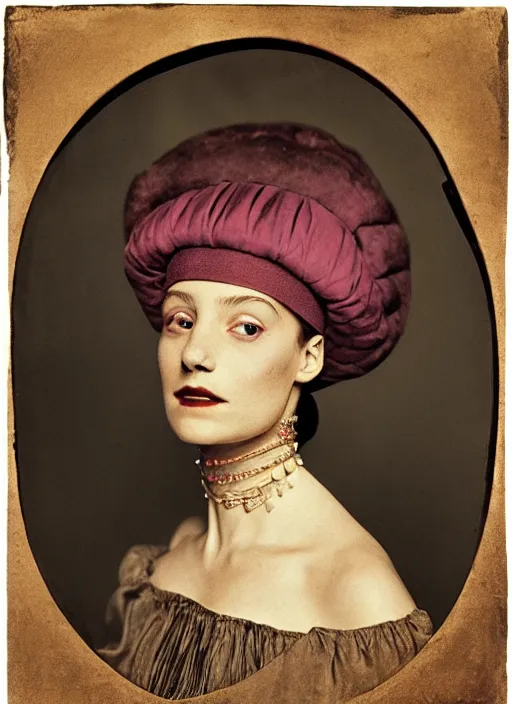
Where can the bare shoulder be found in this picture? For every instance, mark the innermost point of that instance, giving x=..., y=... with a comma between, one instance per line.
x=189, y=528
x=363, y=588
x=169, y=569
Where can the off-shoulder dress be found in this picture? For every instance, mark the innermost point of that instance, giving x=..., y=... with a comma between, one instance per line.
x=172, y=646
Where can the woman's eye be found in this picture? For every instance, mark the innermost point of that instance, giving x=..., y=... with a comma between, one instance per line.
x=247, y=329
x=180, y=322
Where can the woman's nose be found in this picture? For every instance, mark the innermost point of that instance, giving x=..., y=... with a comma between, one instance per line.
x=197, y=353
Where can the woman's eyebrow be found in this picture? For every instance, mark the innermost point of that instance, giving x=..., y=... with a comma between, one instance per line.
x=186, y=297
x=238, y=300
x=222, y=300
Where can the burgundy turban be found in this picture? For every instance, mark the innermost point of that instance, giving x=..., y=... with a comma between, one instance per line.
x=286, y=210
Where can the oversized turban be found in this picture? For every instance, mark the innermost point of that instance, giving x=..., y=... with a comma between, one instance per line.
x=286, y=210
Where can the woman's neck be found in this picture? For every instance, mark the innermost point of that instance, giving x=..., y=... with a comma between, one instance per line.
x=233, y=529
x=251, y=500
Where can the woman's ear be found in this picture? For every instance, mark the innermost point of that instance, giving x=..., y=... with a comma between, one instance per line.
x=311, y=359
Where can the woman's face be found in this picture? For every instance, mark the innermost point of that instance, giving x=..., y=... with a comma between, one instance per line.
x=238, y=344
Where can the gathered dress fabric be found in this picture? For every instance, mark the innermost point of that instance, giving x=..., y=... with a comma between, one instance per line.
x=175, y=648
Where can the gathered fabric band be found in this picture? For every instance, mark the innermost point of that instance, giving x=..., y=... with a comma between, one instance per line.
x=231, y=266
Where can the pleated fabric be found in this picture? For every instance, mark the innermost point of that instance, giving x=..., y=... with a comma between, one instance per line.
x=172, y=646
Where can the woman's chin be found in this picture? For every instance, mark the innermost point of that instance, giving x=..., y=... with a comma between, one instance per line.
x=200, y=432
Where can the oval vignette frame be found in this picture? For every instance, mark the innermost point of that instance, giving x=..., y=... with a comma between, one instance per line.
x=456, y=91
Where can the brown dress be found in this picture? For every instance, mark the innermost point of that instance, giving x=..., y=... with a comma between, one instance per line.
x=176, y=648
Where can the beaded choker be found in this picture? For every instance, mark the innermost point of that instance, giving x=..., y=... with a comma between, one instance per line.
x=274, y=473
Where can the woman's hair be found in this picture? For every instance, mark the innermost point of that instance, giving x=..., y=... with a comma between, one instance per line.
x=306, y=332
x=307, y=410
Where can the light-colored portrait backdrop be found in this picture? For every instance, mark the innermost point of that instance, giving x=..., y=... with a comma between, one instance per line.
x=406, y=448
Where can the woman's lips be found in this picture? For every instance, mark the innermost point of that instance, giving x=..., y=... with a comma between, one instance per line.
x=197, y=402
x=197, y=397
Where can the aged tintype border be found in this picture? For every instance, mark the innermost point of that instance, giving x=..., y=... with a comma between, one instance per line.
x=448, y=67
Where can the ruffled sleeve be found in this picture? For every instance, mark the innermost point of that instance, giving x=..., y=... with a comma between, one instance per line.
x=126, y=610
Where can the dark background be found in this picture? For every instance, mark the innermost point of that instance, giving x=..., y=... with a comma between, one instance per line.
x=405, y=448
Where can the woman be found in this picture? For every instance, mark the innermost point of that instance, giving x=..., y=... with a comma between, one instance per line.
x=272, y=264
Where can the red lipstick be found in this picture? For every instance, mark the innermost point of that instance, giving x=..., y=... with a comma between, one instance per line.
x=197, y=396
